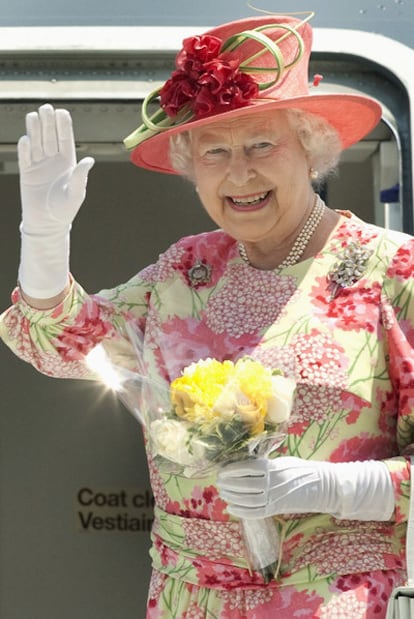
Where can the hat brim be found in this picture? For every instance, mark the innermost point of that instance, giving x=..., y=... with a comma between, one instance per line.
x=353, y=117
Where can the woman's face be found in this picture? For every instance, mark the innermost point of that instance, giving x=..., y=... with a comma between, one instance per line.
x=252, y=176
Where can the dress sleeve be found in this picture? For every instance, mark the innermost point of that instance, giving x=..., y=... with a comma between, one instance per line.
x=398, y=322
x=55, y=341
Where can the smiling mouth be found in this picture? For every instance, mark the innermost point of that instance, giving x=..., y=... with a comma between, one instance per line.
x=249, y=201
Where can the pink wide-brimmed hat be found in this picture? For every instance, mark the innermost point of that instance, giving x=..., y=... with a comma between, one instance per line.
x=243, y=67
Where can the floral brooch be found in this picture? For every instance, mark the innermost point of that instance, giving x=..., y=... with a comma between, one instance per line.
x=350, y=267
x=200, y=273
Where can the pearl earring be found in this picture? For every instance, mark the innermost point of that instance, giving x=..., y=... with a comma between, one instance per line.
x=313, y=174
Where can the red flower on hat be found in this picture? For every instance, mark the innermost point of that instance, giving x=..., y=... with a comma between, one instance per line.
x=205, y=82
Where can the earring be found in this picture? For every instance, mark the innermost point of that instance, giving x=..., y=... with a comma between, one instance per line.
x=313, y=174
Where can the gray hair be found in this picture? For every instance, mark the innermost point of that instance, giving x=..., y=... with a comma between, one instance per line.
x=319, y=140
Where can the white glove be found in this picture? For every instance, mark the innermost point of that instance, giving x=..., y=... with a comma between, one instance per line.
x=258, y=488
x=52, y=187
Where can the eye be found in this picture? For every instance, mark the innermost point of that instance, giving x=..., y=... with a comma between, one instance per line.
x=261, y=149
x=216, y=150
x=262, y=145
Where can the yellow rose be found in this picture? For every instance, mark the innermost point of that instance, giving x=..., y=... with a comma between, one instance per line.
x=183, y=399
x=194, y=394
x=253, y=417
x=255, y=382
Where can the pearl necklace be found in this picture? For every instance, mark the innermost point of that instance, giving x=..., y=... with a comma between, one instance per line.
x=302, y=240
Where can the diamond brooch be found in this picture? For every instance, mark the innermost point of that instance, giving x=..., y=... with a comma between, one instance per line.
x=350, y=267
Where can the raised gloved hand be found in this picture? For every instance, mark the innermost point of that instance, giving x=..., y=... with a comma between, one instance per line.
x=52, y=187
x=257, y=488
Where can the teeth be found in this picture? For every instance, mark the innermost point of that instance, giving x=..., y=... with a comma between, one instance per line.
x=251, y=199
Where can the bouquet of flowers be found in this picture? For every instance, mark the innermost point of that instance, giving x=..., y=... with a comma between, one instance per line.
x=212, y=414
x=221, y=412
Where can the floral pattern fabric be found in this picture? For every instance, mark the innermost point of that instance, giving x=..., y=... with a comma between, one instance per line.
x=352, y=356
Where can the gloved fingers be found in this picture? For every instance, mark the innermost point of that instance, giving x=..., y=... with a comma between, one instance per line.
x=34, y=135
x=77, y=184
x=84, y=166
x=65, y=137
x=24, y=153
x=48, y=128
x=242, y=484
x=254, y=467
x=42, y=133
x=242, y=499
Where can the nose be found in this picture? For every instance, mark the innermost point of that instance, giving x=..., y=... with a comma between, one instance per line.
x=239, y=168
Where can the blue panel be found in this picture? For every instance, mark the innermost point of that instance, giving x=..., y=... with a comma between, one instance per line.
x=393, y=18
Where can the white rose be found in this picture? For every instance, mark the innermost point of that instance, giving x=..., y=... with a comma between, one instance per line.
x=230, y=400
x=280, y=404
x=170, y=440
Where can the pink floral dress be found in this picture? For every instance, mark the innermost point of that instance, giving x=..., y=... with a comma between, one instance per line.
x=351, y=354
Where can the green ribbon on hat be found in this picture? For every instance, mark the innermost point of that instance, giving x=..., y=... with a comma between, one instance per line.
x=269, y=45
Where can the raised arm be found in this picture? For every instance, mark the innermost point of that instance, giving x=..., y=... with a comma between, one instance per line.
x=52, y=187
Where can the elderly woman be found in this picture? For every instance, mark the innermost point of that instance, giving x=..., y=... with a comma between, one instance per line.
x=314, y=292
